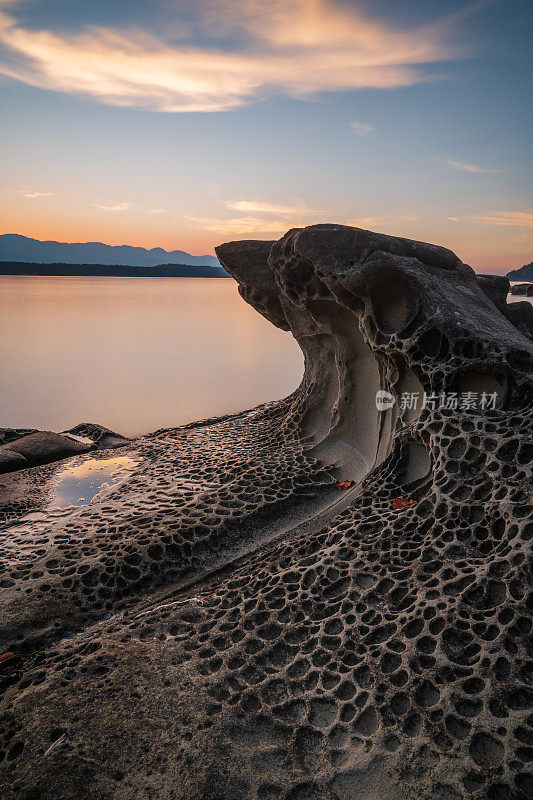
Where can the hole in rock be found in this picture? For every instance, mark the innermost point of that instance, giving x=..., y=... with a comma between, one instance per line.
x=412, y=390
x=418, y=462
x=395, y=304
x=431, y=341
x=349, y=431
x=482, y=383
x=485, y=750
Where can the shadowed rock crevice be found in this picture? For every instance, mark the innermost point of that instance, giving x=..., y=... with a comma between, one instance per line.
x=226, y=624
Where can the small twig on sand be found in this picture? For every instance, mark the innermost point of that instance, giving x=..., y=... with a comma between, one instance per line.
x=199, y=601
x=55, y=744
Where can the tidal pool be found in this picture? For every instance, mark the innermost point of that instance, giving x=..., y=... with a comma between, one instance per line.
x=77, y=485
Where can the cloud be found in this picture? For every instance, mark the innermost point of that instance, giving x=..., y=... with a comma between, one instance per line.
x=471, y=167
x=257, y=206
x=361, y=128
x=372, y=222
x=241, y=225
x=35, y=195
x=113, y=207
x=513, y=219
x=248, y=50
x=157, y=211
x=23, y=190
x=280, y=217
x=289, y=217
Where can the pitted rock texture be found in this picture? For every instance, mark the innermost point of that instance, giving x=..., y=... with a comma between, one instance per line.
x=226, y=624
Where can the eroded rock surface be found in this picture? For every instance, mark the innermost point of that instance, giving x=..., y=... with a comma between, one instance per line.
x=226, y=624
x=523, y=288
x=38, y=448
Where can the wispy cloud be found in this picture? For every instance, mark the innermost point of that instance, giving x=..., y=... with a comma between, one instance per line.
x=512, y=219
x=23, y=190
x=290, y=47
x=257, y=206
x=279, y=226
x=156, y=211
x=113, y=207
x=279, y=217
x=372, y=222
x=471, y=167
x=35, y=195
x=361, y=128
x=241, y=225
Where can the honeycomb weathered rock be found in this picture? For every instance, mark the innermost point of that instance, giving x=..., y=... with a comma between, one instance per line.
x=225, y=624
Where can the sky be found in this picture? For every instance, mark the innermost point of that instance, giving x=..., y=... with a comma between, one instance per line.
x=184, y=125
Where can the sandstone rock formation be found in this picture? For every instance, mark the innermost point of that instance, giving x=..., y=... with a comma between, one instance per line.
x=231, y=623
x=29, y=448
x=38, y=448
x=523, y=288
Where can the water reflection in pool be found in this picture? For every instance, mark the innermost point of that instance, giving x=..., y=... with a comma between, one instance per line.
x=77, y=485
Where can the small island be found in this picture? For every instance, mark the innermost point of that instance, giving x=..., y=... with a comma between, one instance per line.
x=112, y=271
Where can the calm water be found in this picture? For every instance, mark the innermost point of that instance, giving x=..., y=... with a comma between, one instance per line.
x=135, y=354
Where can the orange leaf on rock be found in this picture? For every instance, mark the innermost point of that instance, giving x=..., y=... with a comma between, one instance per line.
x=342, y=485
x=402, y=502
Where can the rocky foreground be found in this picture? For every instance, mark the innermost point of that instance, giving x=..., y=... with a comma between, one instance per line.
x=325, y=598
x=525, y=289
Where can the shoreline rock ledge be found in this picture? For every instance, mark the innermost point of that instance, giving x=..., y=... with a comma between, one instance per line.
x=323, y=598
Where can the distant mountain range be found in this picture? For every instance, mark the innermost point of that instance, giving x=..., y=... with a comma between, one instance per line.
x=20, y=248
x=525, y=273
